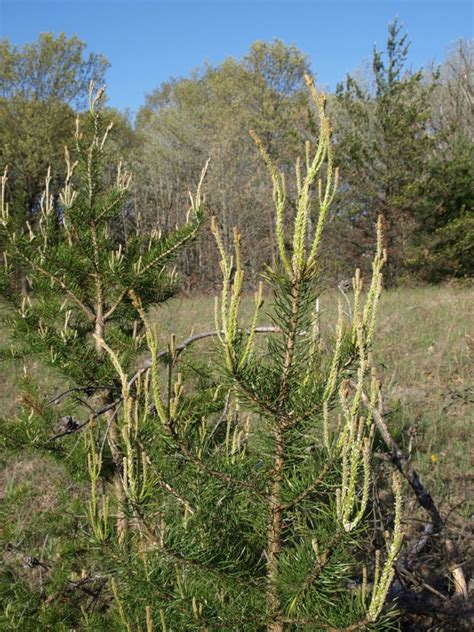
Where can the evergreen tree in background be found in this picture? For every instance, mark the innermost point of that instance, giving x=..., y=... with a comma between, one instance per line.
x=384, y=144
x=443, y=242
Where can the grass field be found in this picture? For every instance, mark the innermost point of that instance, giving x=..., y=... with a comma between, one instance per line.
x=424, y=352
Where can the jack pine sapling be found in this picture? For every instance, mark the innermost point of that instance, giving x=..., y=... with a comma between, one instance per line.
x=254, y=517
x=82, y=254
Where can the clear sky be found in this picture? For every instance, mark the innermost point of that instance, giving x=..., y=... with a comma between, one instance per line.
x=147, y=41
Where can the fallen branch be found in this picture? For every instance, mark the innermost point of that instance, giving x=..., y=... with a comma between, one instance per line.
x=146, y=367
x=459, y=615
x=88, y=390
x=406, y=468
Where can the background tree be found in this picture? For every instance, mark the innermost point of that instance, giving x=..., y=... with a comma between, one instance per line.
x=443, y=243
x=42, y=85
x=384, y=143
x=210, y=114
x=52, y=68
x=453, y=98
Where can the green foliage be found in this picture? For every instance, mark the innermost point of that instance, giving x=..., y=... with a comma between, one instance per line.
x=40, y=86
x=52, y=68
x=82, y=259
x=443, y=244
x=253, y=517
x=448, y=252
x=32, y=138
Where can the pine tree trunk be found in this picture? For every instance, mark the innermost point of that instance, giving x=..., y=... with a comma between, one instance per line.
x=275, y=508
x=274, y=536
x=113, y=441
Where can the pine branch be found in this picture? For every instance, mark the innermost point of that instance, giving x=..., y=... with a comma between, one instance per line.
x=77, y=389
x=204, y=467
x=162, y=256
x=166, y=486
x=87, y=311
x=310, y=489
x=321, y=561
x=322, y=625
x=158, y=541
x=146, y=367
x=194, y=338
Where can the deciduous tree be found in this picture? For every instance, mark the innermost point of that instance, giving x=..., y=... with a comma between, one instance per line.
x=210, y=114
x=42, y=85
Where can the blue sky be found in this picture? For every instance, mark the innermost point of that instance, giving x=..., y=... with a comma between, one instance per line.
x=147, y=41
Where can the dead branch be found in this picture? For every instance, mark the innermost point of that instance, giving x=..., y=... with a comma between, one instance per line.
x=406, y=468
x=146, y=367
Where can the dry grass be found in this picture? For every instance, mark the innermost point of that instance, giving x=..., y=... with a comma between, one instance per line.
x=424, y=347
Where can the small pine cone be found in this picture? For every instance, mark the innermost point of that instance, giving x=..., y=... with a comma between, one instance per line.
x=31, y=562
x=151, y=410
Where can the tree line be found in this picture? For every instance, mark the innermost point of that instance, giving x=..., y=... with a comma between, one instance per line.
x=403, y=145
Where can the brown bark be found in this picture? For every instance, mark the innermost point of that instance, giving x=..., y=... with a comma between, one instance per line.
x=275, y=506
x=274, y=535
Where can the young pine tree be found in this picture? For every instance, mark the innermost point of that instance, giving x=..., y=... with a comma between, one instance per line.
x=83, y=254
x=254, y=517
